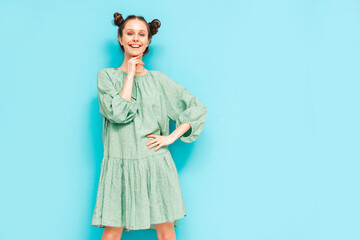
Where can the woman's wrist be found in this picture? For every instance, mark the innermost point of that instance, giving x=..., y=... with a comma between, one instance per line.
x=173, y=137
x=130, y=76
x=180, y=130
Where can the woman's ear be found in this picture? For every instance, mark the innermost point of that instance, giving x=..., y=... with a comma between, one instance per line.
x=120, y=40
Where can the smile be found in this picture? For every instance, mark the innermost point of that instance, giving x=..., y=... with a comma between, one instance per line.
x=135, y=45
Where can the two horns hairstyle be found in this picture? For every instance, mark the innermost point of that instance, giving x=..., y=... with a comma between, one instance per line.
x=154, y=25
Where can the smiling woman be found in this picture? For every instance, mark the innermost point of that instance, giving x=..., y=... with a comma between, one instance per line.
x=139, y=185
x=132, y=30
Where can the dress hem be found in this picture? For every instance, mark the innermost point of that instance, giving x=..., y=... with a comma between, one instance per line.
x=148, y=227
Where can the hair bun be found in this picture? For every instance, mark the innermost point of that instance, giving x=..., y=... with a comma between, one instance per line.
x=154, y=26
x=118, y=19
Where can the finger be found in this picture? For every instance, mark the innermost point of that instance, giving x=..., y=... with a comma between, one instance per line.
x=153, y=142
x=153, y=145
x=151, y=135
x=158, y=148
x=138, y=62
x=150, y=142
x=137, y=56
x=135, y=61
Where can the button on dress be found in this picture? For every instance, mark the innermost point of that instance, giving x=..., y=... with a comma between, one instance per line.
x=139, y=187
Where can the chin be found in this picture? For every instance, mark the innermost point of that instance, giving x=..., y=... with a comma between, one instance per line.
x=135, y=53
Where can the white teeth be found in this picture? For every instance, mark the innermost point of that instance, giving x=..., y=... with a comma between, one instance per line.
x=135, y=45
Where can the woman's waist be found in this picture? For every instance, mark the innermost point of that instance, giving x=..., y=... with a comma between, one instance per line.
x=134, y=154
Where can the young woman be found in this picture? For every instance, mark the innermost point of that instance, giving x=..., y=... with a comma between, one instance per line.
x=139, y=185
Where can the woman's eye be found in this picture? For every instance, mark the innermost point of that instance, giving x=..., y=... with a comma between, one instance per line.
x=140, y=34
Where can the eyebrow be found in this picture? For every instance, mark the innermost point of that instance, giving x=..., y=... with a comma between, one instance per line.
x=133, y=29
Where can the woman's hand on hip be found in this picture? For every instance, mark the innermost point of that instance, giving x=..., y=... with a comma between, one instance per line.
x=159, y=141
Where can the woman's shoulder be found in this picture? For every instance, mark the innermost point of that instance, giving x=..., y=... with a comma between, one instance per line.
x=158, y=73
x=104, y=72
x=161, y=76
x=110, y=70
x=167, y=82
x=106, y=75
x=113, y=74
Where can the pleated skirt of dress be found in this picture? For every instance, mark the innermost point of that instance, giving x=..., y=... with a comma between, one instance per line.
x=138, y=193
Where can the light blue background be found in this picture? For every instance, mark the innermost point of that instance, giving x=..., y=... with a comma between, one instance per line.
x=279, y=155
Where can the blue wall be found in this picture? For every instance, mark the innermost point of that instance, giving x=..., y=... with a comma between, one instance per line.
x=279, y=155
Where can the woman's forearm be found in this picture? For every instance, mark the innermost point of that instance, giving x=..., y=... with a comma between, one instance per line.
x=126, y=91
x=180, y=130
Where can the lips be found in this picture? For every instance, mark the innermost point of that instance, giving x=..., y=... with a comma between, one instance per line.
x=135, y=45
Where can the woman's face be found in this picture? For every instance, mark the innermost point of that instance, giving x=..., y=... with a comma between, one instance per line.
x=135, y=37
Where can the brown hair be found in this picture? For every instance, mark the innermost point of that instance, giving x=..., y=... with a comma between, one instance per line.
x=152, y=27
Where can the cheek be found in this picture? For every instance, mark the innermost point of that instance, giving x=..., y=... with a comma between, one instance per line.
x=126, y=39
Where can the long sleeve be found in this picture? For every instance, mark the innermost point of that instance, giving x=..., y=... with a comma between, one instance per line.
x=182, y=106
x=112, y=105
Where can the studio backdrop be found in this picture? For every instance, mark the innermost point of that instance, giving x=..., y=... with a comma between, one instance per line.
x=278, y=158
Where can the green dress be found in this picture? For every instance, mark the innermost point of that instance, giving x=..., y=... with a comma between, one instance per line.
x=140, y=187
